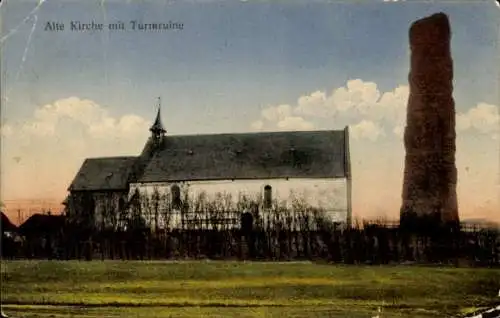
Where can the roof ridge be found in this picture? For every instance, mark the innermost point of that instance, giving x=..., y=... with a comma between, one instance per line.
x=113, y=157
x=259, y=133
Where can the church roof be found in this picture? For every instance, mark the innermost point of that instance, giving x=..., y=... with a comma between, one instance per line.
x=104, y=174
x=306, y=154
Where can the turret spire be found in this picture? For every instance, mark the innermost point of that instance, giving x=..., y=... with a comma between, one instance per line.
x=157, y=128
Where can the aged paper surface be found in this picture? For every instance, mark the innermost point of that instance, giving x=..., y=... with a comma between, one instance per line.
x=297, y=131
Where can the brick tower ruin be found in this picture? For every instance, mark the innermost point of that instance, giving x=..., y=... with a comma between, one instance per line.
x=430, y=174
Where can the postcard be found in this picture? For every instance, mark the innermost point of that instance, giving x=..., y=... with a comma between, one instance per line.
x=194, y=158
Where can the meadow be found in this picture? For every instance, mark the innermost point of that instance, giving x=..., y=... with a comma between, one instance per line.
x=241, y=289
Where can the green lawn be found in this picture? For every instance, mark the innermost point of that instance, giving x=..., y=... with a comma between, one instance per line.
x=229, y=289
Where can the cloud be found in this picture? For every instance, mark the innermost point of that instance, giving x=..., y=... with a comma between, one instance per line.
x=49, y=119
x=345, y=105
x=392, y=105
x=483, y=118
x=58, y=137
x=357, y=95
x=366, y=129
x=315, y=104
x=123, y=126
x=276, y=113
x=361, y=105
x=294, y=123
x=282, y=118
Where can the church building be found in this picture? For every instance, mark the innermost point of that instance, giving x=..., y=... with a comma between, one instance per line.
x=183, y=179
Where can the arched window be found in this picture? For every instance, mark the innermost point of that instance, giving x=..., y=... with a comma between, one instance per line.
x=176, y=196
x=268, y=197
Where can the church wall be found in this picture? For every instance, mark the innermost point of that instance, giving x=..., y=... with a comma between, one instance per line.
x=327, y=194
x=102, y=208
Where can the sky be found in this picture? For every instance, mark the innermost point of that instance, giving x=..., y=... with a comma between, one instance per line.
x=239, y=66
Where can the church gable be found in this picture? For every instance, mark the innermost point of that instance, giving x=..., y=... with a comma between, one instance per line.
x=104, y=174
x=312, y=154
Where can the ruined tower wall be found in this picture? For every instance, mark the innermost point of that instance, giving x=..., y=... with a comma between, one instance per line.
x=430, y=174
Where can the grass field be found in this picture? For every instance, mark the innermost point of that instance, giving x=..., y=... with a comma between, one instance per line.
x=233, y=289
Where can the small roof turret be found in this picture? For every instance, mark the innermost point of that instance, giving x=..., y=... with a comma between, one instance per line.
x=157, y=127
